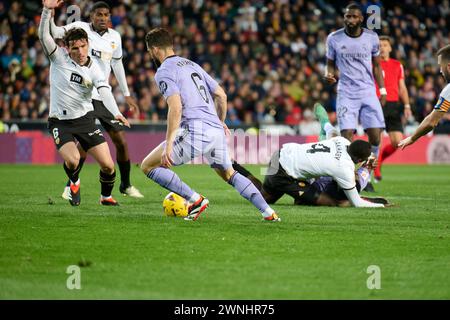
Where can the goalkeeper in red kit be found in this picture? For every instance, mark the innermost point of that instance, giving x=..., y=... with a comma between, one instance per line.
x=394, y=111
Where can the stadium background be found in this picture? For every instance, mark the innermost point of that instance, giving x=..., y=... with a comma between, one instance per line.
x=268, y=55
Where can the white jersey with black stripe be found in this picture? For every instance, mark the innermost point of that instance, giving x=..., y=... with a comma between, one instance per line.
x=102, y=47
x=71, y=85
x=328, y=158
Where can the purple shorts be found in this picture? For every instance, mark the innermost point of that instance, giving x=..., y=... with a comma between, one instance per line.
x=210, y=143
x=366, y=110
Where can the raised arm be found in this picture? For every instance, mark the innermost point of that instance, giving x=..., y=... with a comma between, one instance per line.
x=57, y=32
x=48, y=43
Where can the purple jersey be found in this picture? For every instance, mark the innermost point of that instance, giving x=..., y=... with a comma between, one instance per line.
x=353, y=58
x=178, y=75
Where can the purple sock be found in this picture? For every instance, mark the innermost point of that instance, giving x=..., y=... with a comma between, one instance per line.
x=248, y=190
x=168, y=179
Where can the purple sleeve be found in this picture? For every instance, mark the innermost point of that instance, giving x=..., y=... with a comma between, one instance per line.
x=210, y=82
x=166, y=83
x=331, y=53
x=375, y=46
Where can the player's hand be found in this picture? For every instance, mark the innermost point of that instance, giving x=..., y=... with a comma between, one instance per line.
x=405, y=142
x=123, y=120
x=330, y=79
x=371, y=163
x=407, y=113
x=132, y=104
x=227, y=131
x=166, y=158
x=52, y=4
x=383, y=100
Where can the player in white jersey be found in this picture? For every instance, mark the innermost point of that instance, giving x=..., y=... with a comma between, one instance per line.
x=319, y=191
x=73, y=75
x=105, y=46
x=336, y=158
x=441, y=107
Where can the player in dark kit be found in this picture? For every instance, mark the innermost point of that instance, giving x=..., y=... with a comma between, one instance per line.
x=394, y=111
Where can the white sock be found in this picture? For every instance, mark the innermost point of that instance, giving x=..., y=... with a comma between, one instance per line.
x=76, y=183
x=375, y=150
x=268, y=212
x=330, y=130
x=195, y=197
x=105, y=198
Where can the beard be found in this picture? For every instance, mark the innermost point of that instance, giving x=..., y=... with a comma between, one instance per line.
x=156, y=63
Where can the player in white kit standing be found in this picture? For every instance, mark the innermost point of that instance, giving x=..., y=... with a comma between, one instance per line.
x=105, y=46
x=73, y=77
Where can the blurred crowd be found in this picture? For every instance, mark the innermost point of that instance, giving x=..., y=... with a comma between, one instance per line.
x=268, y=55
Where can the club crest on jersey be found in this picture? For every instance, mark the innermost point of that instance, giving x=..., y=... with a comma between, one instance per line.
x=75, y=77
x=113, y=45
x=96, y=53
x=162, y=87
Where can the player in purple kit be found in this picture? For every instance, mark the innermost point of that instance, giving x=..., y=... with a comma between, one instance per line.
x=195, y=126
x=355, y=52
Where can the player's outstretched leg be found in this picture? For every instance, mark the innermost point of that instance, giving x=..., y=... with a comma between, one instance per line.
x=166, y=178
x=248, y=191
x=327, y=130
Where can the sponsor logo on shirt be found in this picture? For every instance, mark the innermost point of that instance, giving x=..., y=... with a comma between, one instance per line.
x=96, y=53
x=75, y=77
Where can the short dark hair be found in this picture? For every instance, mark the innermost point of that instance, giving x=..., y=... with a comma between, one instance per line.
x=359, y=150
x=354, y=6
x=386, y=38
x=73, y=35
x=158, y=37
x=99, y=5
x=444, y=52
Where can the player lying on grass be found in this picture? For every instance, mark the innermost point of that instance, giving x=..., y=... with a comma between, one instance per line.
x=73, y=75
x=195, y=126
x=441, y=107
x=318, y=173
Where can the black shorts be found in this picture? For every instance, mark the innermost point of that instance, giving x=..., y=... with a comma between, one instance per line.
x=105, y=117
x=393, y=113
x=277, y=183
x=82, y=129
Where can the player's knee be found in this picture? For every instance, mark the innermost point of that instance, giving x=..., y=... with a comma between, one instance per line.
x=72, y=161
x=107, y=168
x=146, y=168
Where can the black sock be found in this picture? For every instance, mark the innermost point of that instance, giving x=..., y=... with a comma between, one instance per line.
x=247, y=174
x=107, y=183
x=72, y=173
x=78, y=169
x=124, y=168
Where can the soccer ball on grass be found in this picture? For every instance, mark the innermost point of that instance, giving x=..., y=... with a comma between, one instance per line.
x=175, y=205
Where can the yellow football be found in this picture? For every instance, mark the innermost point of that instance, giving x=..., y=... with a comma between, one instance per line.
x=175, y=205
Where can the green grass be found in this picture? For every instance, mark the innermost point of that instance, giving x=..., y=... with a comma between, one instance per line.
x=137, y=253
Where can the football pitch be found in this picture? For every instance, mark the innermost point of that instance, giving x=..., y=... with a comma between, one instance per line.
x=134, y=252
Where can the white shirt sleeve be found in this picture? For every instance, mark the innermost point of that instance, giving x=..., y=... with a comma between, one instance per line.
x=356, y=201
